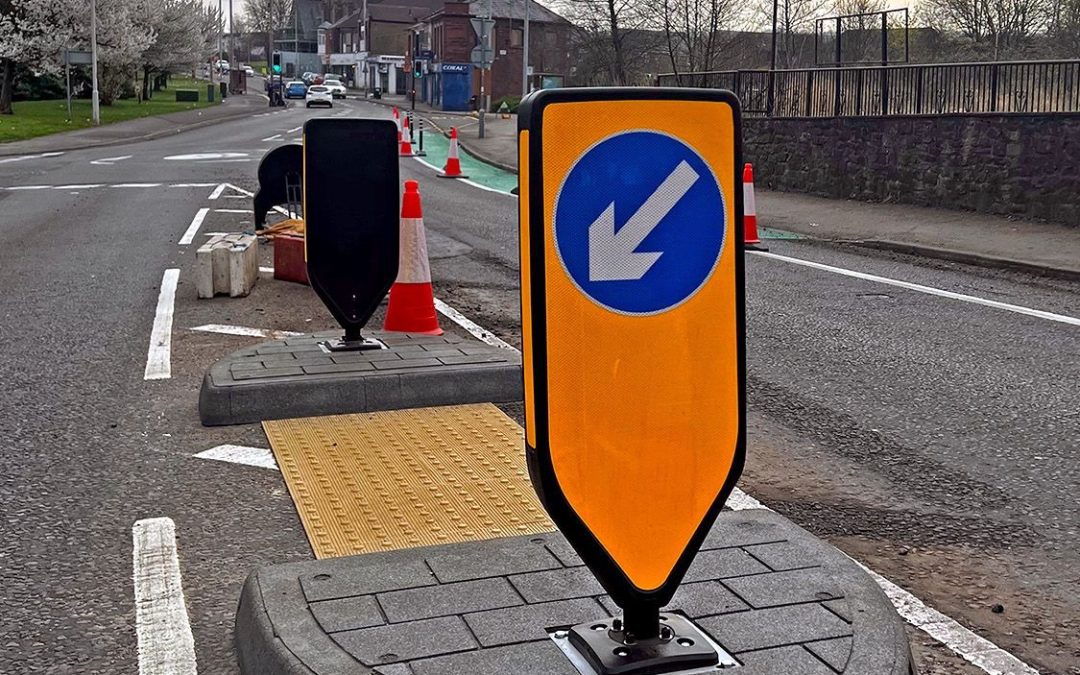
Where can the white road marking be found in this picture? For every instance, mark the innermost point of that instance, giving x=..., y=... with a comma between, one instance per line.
x=275, y=137
x=266, y=270
x=166, y=645
x=245, y=331
x=974, y=649
x=295, y=129
x=136, y=185
x=193, y=228
x=466, y=180
x=218, y=190
x=232, y=211
x=192, y=185
x=203, y=156
x=241, y=454
x=159, y=355
x=77, y=187
x=475, y=329
x=28, y=187
x=1037, y=313
x=252, y=194
x=109, y=161
x=9, y=160
x=971, y=647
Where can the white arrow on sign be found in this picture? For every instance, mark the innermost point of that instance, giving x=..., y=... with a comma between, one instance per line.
x=613, y=255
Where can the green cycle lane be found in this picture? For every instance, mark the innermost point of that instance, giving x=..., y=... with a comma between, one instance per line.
x=437, y=146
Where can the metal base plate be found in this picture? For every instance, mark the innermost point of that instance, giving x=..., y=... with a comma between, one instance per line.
x=595, y=648
x=343, y=345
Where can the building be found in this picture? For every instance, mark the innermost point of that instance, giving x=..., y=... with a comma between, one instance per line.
x=299, y=41
x=447, y=39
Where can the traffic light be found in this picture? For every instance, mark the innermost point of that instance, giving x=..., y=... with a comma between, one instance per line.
x=418, y=68
x=276, y=67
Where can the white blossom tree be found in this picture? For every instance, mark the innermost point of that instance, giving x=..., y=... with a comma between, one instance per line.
x=32, y=33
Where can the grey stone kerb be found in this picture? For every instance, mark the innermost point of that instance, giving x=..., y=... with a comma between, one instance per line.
x=780, y=600
x=297, y=378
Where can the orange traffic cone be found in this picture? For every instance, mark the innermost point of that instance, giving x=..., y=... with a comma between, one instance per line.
x=453, y=162
x=412, y=302
x=397, y=121
x=406, y=138
x=750, y=234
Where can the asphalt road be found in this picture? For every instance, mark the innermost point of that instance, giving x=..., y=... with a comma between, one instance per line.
x=933, y=439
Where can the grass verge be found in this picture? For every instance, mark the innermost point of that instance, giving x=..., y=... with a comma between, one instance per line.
x=41, y=118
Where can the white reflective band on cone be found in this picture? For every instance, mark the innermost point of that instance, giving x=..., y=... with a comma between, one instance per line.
x=749, y=204
x=413, y=256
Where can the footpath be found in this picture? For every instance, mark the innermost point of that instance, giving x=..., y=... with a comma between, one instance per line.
x=141, y=129
x=974, y=238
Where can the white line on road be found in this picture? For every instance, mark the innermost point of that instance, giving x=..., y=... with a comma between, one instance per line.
x=193, y=228
x=109, y=161
x=1038, y=313
x=159, y=355
x=136, y=185
x=232, y=210
x=475, y=329
x=266, y=270
x=241, y=454
x=166, y=645
x=8, y=160
x=192, y=185
x=245, y=331
x=295, y=129
x=86, y=186
x=218, y=190
x=275, y=137
x=977, y=650
x=252, y=194
x=28, y=187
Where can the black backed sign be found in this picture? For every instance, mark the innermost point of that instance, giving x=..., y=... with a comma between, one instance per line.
x=351, y=204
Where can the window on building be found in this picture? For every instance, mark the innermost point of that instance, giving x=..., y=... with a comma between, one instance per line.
x=517, y=37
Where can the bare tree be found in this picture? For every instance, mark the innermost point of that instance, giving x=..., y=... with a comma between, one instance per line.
x=697, y=32
x=1064, y=29
x=794, y=28
x=267, y=16
x=991, y=28
x=607, y=27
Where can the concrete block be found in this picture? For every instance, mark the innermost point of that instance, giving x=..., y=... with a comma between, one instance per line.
x=560, y=584
x=406, y=641
x=446, y=599
x=766, y=628
x=530, y=622
x=347, y=613
x=227, y=264
x=488, y=561
x=534, y=658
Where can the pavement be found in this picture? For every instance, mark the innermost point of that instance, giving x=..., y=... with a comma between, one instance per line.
x=919, y=414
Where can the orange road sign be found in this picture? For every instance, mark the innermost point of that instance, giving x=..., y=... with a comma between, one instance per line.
x=632, y=322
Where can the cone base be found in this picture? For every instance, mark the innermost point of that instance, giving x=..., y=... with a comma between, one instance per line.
x=446, y=175
x=412, y=310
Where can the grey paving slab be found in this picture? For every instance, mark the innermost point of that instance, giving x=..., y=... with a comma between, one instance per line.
x=484, y=608
x=406, y=641
x=446, y=599
x=558, y=584
x=295, y=377
x=529, y=622
x=779, y=556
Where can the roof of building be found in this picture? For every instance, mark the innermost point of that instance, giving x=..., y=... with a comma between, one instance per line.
x=513, y=9
x=398, y=13
x=347, y=20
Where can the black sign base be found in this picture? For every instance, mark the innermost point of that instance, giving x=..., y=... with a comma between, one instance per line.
x=604, y=648
x=346, y=345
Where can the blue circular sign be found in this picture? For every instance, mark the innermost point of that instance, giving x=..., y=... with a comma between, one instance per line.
x=639, y=222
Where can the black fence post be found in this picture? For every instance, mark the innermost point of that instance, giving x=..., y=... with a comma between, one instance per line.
x=809, y=92
x=884, y=91
x=837, y=106
x=994, y=88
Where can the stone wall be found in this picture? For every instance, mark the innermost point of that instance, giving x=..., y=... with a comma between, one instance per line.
x=1023, y=165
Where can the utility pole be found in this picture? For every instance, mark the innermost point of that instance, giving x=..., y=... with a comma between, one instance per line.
x=296, y=35
x=232, y=42
x=525, y=54
x=95, y=107
x=220, y=42
x=772, y=59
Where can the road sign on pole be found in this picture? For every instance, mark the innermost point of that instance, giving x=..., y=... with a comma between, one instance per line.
x=632, y=320
x=351, y=244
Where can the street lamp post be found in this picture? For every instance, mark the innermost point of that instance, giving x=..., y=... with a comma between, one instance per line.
x=772, y=59
x=525, y=54
x=95, y=106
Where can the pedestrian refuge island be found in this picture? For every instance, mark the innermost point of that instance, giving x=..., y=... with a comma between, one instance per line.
x=584, y=528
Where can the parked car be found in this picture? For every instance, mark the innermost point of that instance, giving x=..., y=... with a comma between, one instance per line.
x=337, y=89
x=249, y=71
x=296, y=89
x=317, y=94
x=308, y=77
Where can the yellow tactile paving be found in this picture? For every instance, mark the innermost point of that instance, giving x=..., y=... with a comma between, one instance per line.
x=389, y=480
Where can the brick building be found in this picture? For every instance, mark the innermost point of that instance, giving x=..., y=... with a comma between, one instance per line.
x=450, y=81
